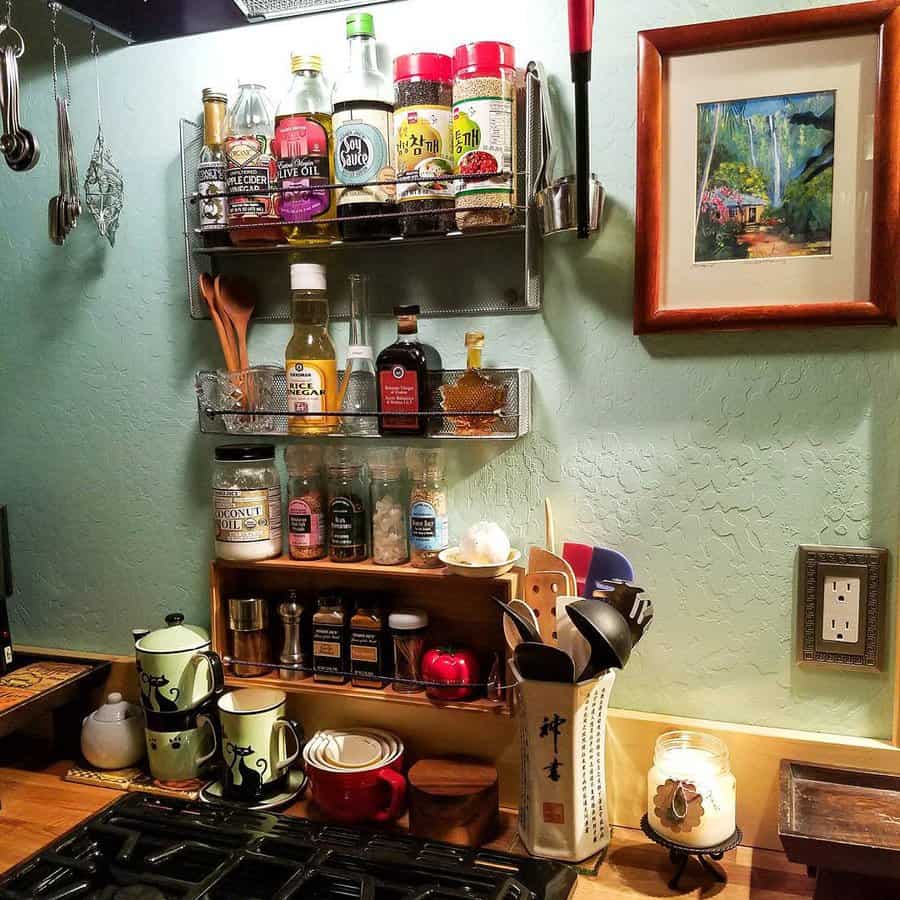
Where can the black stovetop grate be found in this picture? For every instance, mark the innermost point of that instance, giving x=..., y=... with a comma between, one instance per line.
x=152, y=848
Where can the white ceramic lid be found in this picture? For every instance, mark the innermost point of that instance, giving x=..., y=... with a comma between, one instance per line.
x=408, y=619
x=175, y=637
x=115, y=709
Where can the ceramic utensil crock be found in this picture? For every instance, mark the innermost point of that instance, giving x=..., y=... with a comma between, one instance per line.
x=112, y=737
x=177, y=755
x=176, y=667
x=254, y=742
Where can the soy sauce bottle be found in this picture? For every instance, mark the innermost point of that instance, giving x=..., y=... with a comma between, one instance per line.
x=363, y=121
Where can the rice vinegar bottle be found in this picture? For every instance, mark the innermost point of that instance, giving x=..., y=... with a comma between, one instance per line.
x=303, y=148
x=310, y=360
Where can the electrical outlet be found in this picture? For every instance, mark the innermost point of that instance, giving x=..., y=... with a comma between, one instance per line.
x=840, y=606
x=840, y=609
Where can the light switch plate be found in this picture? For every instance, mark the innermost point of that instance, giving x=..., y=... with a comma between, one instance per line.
x=846, y=585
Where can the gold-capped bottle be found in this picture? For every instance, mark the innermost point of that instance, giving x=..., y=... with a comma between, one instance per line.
x=303, y=149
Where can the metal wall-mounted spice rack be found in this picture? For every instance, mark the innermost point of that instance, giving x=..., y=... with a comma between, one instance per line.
x=498, y=270
x=512, y=421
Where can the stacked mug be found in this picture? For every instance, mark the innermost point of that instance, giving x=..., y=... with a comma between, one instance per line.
x=180, y=677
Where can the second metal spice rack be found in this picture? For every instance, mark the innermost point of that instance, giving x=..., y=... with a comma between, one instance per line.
x=497, y=270
x=220, y=408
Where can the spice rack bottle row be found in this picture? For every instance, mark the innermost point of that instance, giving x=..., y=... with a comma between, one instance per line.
x=460, y=612
x=224, y=409
x=478, y=272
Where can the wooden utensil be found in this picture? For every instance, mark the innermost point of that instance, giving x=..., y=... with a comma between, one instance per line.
x=208, y=291
x=541, y=591
x=455, y=799
x=541, y=560
x=235, y=303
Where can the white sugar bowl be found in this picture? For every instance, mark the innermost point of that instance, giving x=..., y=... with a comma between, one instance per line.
x=112, y=737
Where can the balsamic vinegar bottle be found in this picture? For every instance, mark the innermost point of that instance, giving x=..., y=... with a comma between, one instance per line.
x=402, y=369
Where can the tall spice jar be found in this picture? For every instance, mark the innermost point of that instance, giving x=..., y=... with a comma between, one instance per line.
x=329, y=640
x=367, y=632
x=408, y=630
x=247, y=502
x=306, y=502
x=428, y=522
x=388, y=502
x=423, y=95
x=348, y=507
x=484, y=133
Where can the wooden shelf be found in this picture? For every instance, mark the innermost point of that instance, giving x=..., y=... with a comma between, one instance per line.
x=365, y=569
x=460, y=610
x=382, y=695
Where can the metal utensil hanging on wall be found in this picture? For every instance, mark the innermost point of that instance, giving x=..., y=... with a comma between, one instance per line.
x=20, y=147
x=65, y=208
x=104, y=189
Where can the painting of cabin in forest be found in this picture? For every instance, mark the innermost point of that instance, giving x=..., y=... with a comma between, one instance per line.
x=764, y=177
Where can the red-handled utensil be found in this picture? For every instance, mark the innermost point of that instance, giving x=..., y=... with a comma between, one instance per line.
x=581, y=37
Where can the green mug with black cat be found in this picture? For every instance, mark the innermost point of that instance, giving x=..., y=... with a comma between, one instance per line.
x=255, y=742
x=177, y=753
x=177, y=669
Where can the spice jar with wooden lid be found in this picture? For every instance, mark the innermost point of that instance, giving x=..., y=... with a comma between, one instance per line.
x=248, y=619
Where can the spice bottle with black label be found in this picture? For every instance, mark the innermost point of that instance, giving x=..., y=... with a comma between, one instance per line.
x=367, y=634
x=329, y=640
x=348, y=508
x=363, y=121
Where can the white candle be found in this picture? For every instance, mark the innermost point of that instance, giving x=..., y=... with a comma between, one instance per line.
x=690, y=790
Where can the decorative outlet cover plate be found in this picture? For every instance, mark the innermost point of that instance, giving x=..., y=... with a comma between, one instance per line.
x=816, y=563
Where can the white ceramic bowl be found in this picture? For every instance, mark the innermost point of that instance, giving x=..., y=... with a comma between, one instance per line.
x=452, y=560
x=367, y=748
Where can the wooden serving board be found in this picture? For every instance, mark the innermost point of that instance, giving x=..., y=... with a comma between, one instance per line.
x=133, y=779
x=36, y=678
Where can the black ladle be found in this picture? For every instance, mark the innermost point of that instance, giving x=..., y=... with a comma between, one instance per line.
x=607, y=632
x=526, y=629
x=544, y=662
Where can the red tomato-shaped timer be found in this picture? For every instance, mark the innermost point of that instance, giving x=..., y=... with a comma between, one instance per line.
x=456, y=667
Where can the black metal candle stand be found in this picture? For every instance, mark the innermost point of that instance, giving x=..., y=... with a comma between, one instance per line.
x=679, y=854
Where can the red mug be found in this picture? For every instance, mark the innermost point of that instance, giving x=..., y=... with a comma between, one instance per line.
x=371, y=795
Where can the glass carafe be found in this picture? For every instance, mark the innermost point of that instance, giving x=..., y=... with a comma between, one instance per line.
x=359, y=393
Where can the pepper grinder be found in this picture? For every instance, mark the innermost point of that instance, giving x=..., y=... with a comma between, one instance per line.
x=290, y=612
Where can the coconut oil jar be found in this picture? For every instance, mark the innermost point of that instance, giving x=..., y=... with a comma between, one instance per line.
x=690, y=790
x=246, y=502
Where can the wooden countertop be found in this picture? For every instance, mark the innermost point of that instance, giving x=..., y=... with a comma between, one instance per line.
x=38, y=806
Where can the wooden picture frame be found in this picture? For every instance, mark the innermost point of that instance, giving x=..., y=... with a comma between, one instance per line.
x=656, y=48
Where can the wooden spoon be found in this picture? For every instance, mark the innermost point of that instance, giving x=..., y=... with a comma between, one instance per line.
x=237, y=305
x=207, y=289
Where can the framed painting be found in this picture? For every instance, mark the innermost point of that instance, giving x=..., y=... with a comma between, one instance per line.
x=768, y=171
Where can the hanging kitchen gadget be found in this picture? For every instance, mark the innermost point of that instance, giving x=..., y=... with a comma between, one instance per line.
x=20, y=147
x=104, y=189
x=65, y=208
x=581, y=37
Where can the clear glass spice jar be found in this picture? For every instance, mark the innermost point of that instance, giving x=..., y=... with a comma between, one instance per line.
x=429, y=531
x=388, y=502
x=248, y=620
x=408, y=630
x=247, y=502
x=306, y=502
x=348, y=507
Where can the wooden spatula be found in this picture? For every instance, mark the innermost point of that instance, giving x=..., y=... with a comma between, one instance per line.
x=237, y=305
x=541, y=591
x=208, y=291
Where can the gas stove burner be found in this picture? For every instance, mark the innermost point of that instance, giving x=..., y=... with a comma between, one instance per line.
x=135, y=892
x=143, y=849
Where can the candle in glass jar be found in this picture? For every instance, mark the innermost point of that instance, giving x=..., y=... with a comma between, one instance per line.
x=690, y=790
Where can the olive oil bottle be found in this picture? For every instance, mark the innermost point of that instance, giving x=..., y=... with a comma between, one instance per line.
x=310, y=360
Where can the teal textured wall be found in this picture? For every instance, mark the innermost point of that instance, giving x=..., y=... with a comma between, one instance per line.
x=707, y=459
